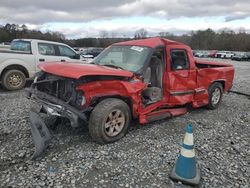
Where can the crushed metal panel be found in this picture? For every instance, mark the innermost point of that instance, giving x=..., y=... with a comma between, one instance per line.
x=40, y=133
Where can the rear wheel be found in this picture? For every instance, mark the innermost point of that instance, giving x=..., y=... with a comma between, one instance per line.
x=215, y=93
x=109, y=120
x=13, y=80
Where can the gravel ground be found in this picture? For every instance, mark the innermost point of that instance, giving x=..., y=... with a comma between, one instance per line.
x=144, y=158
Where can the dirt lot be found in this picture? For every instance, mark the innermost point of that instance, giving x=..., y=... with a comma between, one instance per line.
x=144, y=158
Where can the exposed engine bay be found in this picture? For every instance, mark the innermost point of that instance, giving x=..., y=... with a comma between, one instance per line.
x=65, y=89
x=59, y=87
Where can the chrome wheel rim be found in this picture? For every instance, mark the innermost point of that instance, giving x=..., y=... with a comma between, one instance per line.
x=216, y=96
x=114, y=123
x=15, y=80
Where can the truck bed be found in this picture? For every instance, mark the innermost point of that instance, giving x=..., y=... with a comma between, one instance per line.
x=13, y=51
x=209, y=72
x=210, y=64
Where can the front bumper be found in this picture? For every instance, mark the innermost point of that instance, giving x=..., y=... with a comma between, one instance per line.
x=53, y=106
x=56, y=107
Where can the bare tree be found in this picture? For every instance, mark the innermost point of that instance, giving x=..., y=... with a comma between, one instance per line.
x=141, y=33
x=103, y=34
x=164, y=34
x=242, y=30
x=113, y=35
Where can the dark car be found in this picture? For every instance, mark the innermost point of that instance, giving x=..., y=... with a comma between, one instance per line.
x=91, y=52
x=200, y=53
x=241, y=56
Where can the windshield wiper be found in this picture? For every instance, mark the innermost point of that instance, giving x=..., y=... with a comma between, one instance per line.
x=113, y=66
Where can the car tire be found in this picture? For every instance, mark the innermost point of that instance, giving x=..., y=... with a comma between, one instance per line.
x=215, y=93
x=109, y=120
x=13, y=80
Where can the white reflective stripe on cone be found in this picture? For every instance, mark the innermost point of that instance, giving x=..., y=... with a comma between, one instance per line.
x=189, y=153
x=189, y=139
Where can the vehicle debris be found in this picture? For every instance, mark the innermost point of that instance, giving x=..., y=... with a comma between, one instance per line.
x=40, y=134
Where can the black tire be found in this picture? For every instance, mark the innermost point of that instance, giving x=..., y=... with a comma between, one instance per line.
x=100, y=117
x=214, y=100
x=13, y=80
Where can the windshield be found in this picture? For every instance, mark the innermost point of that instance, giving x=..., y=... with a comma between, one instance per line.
x=130, y=58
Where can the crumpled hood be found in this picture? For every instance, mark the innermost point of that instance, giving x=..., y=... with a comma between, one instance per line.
x=77, y=70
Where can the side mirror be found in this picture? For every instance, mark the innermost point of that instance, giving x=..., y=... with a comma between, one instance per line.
x=77, y=56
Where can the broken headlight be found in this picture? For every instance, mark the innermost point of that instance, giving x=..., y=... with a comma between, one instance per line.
x=80, y=99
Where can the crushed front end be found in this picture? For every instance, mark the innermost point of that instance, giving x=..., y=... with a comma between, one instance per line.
x=56, y=96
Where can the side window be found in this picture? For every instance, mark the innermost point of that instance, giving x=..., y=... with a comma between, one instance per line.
x=65, y=51
x=46, y=49
x=179, y=60
x=20, y=45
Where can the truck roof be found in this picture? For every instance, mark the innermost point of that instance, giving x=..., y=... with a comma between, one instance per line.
x=150, y=42
x=37, y=40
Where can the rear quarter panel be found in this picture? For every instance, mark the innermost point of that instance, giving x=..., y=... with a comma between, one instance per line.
x=25, y=60
x=206, y=76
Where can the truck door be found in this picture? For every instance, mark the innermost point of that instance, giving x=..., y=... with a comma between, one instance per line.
x=47, y=52
x=67, y=54
x=181, y=75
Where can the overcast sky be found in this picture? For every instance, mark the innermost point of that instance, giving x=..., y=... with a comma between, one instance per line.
x=87, y=18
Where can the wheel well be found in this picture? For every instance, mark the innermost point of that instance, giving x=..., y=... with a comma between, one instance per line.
x=17, y=67
x=127, y=100
x=222, y=82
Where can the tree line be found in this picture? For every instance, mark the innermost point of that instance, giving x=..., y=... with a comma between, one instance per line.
x=9, y=32
x=208, y=39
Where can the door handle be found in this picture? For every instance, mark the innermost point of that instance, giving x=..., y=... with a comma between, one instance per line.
x=62, y=60
x=41, y=59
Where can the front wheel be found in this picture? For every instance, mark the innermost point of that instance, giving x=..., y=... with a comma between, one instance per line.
x=109, y=120
x=215, y=92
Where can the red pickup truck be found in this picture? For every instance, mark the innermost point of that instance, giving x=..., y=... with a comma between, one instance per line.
x=149, y=79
